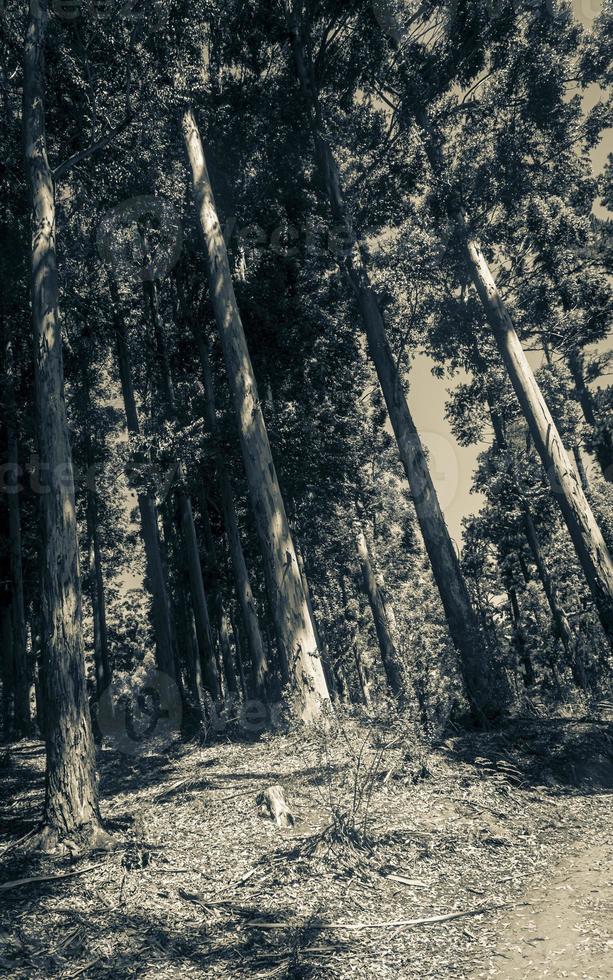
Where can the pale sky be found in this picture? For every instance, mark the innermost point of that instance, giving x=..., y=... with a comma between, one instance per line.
x=453, y=466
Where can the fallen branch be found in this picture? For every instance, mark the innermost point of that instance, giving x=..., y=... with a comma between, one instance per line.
x=9, y=885
x=356, y=926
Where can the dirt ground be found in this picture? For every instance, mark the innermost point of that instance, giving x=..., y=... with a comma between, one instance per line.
x=503, y=838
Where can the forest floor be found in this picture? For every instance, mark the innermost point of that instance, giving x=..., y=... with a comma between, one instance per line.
x=511, y=829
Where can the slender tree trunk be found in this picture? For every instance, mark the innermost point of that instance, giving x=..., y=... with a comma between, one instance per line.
x=581, y=472
x=321, y=646
x=520, y=640
x=225, y=646
x=240, y=659
x=101, y=646
x=244, y=592
x=461, y=619
x=21, y=670
x=71, y=799
x=156, y=580
x=362, y=675
x=188, y=527
x=562, y=625
x=195, y=675
x=603, y=445
x=288, y=603
x=389, y=654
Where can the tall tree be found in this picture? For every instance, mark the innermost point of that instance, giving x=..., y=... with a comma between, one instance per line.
x=71, y=796
x=463, y=625
x=288, y=602
x=244, y=591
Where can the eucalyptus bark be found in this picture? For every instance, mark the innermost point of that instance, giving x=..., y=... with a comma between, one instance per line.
x=188, y=527
x=389, y=653
x=321, y=646
x=156, y=579
x=288, y=603
x=460, y=616
x=242, y=582
x=71, y=798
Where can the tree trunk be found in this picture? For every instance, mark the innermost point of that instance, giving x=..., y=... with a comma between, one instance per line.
x=21, y=670
x=581, y=472
x=71, y=799
x=156, y=580
x=562, y=626
x=362, y=675
x=587, y=538
x=461, y=619
x=101, y=647
x=288, y=603
x=321, y=646
x=188, y=527
x=520, y=639
x=603, y=445
x=389, y=654
x=244, y=592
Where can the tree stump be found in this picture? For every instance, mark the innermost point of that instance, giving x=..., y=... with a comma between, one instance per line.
x=273, y=805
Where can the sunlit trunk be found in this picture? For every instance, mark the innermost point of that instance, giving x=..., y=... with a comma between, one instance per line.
x=293, y=625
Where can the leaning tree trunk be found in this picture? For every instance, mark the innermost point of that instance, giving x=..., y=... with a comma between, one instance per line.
x=244, y=592
x=71, y=799
x=288, y=603
x=587, y=537
x=188, y=527
x=156, y=579
x=461, y=619
x=389, y=654
x=21, y=671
